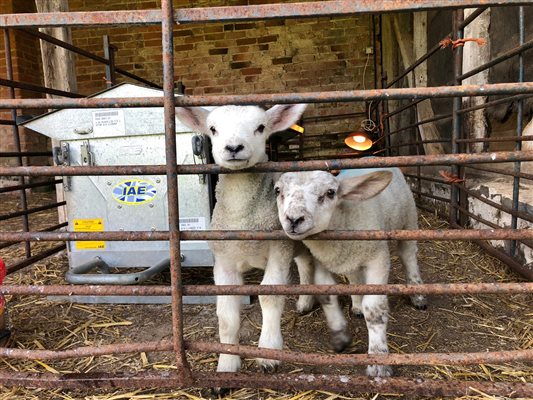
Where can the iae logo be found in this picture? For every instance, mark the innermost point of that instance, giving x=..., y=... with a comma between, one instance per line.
x=134, y=192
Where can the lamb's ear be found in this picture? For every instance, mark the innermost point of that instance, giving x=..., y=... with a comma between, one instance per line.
x=365, y=186
x=194, y=118
x=282, y=116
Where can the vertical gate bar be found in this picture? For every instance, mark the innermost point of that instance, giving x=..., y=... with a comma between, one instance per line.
x=458, y=16
x=172, y=190
x=109, y=54
x=419, y=148
x=384, y=122
x=374, y=44
x=519, y=127
x=380, y=113
x=16, y=140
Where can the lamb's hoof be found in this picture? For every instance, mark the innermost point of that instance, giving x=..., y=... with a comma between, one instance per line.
x=340, y=340
x=268, y=366
x=305, y=304
x=419, y=302
x=379, y=370
x=228, y=363
x=358, y=314
x=220, y=392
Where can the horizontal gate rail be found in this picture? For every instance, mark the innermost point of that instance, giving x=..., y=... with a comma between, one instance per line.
x=436, y=289
x=13, y=188
x=114, y=236
x=502, y=172
x=283, y=166
x=32, y=210
x=239, y=13
x=35, y=258
x=335, y=383
x=48, y=229
x=36, y=88
x=281, y=98
x=282, y=355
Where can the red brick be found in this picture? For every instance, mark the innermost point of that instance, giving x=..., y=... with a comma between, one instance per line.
x=251, y=71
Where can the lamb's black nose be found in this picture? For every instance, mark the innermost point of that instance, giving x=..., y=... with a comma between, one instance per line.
x=295, y=221
x=234, y=149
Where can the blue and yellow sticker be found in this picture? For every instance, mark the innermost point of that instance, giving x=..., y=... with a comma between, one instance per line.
x=134, y=192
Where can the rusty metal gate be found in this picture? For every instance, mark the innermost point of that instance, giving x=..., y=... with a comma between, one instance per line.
x=458, y=159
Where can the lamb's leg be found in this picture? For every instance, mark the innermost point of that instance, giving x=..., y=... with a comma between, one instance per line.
x=304, y=262
x=375, y=309
x=276, y=273
x=340, y=336
x=228, y=312
x=355, y=278
x=407, y=250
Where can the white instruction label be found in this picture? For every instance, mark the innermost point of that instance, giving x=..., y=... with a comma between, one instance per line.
x=108, y=123
x=192, y=224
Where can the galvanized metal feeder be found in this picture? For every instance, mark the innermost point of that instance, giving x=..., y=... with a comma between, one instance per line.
x=128, y=136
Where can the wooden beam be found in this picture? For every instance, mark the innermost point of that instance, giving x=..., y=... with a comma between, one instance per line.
x=58, y=69
x=475, y=123
x=411, y=48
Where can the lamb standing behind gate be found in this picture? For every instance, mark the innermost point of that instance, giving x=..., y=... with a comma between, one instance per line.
x=247, y=202
x=311, y=202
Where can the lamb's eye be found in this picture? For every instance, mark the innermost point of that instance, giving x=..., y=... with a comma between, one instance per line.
x=260, y=128
x=330, y=193
x=213, y=130
x=277, y=191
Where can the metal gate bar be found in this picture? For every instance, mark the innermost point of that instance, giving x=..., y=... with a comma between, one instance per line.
x=519, y=126
x=278, y=98
x=335, y=383
x=440, y=234
x=279, y=166
x=317, y=359
x=436, y=289
x=501, y=172
x=172, y=193
x=240, y=13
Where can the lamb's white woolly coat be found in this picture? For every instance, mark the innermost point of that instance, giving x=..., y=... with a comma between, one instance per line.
x=246, y=201
x=311, y=202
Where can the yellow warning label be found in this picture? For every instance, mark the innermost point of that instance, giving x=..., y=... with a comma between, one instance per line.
x=89, y=225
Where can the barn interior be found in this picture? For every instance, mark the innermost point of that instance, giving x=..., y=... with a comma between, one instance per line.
x=440, y=89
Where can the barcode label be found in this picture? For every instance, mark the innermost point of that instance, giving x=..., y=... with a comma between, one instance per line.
x=108, y=123
x=106, y=114
x=192, y=224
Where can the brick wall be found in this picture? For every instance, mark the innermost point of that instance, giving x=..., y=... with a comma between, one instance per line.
x=294, y=55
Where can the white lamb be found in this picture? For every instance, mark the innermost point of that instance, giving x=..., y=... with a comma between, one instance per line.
x=311, y=202
x=246, y=201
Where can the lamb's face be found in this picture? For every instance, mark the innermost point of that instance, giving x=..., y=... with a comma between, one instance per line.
x=306, y=202
x=239, y=133
x=238, y=136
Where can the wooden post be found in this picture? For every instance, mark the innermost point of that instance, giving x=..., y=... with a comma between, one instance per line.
x=58, y=68
x=412, y=48
x=475, y=122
